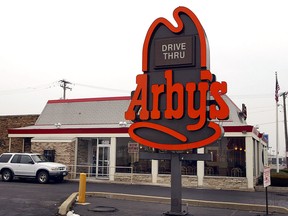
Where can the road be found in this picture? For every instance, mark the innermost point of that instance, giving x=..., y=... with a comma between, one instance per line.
x=29, y=198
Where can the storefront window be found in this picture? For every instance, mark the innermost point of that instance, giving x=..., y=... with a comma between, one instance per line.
x=127, y=157
x=229, y=157
x=187, y=167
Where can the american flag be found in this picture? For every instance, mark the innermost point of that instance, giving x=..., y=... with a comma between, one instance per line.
x=277, y=88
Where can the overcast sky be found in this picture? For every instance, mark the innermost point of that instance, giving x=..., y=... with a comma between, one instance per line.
x=97, y=46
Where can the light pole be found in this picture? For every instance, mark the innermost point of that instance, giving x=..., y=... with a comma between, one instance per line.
x=285, y=125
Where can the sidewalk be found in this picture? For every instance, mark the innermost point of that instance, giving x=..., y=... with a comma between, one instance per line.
x=141, y=200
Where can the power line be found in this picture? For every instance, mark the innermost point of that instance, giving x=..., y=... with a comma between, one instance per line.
x=266, y=123
x=265, y=95
x=63, y=84
x=27, y=89
x=103, y=88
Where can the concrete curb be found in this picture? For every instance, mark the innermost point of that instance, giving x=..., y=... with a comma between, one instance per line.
x=67, y=204
x=65, y=207
x=272, y=189
x=236, y=206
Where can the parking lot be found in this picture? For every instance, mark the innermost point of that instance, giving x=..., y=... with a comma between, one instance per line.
x=27, y=197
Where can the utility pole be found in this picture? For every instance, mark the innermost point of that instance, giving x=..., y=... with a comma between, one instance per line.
x=277, y=131
x=63, y=84
x=285, y=125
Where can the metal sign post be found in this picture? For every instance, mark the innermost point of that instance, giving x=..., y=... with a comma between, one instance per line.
x=266, y=183
x=176, y=186
x=176, y=177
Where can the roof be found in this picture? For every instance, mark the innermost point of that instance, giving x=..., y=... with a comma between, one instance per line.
x=104, y=115
x=90, y=111
x=235, y=117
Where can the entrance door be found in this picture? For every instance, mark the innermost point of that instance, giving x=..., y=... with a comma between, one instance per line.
x=102, y=165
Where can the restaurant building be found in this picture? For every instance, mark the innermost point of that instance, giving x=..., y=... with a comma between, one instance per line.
x=91, y=135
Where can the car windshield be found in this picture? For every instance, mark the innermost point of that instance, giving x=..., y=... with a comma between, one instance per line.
x=39, y=158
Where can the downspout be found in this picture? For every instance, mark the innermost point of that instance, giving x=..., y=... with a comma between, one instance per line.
x=9, y=150
x=23, y=142
x=75, y=158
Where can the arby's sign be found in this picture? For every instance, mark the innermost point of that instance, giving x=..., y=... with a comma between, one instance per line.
x=177, y=101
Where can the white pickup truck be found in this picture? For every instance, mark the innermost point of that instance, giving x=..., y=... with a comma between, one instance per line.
x=30, y=165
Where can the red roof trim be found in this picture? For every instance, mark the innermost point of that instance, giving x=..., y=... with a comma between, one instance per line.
x=243, y=129
x=89, y=99
x=68, y=131
x=261, y=136
x=247, y=128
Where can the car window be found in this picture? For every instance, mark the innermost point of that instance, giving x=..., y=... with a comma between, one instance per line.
x=5, y=158
x=26, y=159
x=15, y=159
x=39, y=158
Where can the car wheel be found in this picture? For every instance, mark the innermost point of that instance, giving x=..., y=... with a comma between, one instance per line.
x=43, y=177
x=7, y=175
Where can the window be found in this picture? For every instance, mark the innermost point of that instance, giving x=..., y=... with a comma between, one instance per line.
x=125, y=160
x=26, y=159
x=16, y=159
x=50, y=155
x=229, y=157
x=5, y=158
x=23, y=159
x=39, y=158
x=188, y=167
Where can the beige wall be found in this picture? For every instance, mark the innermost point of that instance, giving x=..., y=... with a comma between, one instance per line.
x=215, y=182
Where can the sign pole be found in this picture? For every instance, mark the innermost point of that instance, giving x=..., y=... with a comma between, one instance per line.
x=266, y=193
x=176, y=186
x=176, y=178
x=266, y=183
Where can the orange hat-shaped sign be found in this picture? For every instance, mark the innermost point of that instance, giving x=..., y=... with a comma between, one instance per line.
x=177, y=98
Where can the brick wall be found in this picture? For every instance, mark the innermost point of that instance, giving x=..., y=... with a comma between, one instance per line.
x=228, y=183
x=64, y=151
x=215, y=182
x=14, y=121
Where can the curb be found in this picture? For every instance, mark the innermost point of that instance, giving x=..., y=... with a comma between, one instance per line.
x=272, y=189
x=65, y=207
x=67, y=204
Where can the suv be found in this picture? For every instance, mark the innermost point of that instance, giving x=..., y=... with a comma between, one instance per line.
x=29, y=165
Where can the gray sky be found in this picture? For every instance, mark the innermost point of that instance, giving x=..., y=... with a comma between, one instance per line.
x=97, y=46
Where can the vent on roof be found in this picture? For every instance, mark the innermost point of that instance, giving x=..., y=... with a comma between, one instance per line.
x=57, y=125
x=243, y=113
x=123, y=124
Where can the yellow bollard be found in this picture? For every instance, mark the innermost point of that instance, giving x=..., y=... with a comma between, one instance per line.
x=82, y=188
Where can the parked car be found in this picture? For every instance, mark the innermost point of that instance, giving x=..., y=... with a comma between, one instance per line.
x=30, y=165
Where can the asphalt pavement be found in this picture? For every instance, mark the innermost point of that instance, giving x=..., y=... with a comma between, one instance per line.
x=108, y=207
x=149, y=200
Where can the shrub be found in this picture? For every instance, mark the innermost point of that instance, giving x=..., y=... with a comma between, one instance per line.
x=285, y=170
x=279, y=179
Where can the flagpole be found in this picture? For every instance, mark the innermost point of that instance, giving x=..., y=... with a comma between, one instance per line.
x=277, y=131
x=277, y=139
